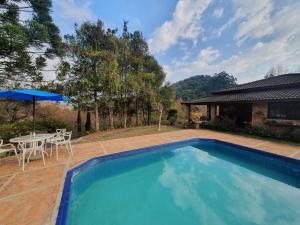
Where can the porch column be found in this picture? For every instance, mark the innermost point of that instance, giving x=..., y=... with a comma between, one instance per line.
x=213, y=111
x=208, y=111
x=189, y=113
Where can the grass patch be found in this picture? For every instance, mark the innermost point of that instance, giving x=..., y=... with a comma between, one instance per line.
x=126, y=132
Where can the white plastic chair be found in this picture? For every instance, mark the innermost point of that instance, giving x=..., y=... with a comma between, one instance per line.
x=58, y=136
x=63, y=139
x=61, y=130
x=8, y=148
x=29, y=147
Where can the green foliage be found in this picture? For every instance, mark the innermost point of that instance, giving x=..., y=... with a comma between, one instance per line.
x=112, y=71
x=50, y=125
x=203, y=85
x=225, y=124
x=172, y=116
x=23, y=50
x=11, y=130
x=271, y=129
x=164, y=97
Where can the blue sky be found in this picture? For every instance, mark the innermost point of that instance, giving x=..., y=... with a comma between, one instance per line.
x=189, y=37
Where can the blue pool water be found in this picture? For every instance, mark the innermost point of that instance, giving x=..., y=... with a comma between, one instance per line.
x=190, y=183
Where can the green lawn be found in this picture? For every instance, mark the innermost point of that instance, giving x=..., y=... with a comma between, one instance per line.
x=123, y=133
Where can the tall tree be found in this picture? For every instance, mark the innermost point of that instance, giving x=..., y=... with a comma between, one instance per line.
x=164, y=98
x=74, y=86
x=111, y=80
x=114, y=71
x=154, y=79
x=25, y=45
x=91, y=47
x=124, y=67
x=138, y=49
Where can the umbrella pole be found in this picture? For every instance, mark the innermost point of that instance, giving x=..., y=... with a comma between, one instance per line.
x=33, y=113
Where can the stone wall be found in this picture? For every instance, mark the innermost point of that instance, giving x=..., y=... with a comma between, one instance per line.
x=259, y=113
x=260, y=116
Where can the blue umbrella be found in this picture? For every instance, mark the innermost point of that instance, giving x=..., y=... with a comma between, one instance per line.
x=32, y=95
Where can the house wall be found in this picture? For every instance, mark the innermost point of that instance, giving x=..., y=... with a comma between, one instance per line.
x=259, y=113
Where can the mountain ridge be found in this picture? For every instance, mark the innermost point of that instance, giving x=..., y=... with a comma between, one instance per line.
x=198, y=86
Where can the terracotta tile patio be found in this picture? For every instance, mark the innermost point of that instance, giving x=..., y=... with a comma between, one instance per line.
x=33, y=197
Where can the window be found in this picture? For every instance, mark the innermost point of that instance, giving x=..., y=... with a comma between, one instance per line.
x=284, y=110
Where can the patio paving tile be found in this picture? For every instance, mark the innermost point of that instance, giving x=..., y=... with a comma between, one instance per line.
x=32, y=208
x=4, y=179
x=21, y=193
x=75, y=163
x=8, y=168
x=28, y=180
x=87, y=153
x=280, y=149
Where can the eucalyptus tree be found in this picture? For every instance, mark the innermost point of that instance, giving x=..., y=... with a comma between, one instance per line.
x=74, y=86
x=112, y=83
x=109, y=68
x=124, y=68
x=26, y=44
x=138, y=51
x=154, y=79
x=163, y=100
x=91, y=47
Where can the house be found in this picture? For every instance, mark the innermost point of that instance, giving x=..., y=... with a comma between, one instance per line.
x=272, y=99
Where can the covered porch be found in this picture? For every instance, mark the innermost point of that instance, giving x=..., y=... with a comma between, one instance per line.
x=241, y=113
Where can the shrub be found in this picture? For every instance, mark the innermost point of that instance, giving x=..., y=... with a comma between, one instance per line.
x=203, y=118
x=11, y=130
x=225, y=124
x=50, y=125
x=271, y=129
x=172, y=116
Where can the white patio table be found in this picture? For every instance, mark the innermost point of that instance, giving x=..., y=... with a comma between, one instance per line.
x=36, y=137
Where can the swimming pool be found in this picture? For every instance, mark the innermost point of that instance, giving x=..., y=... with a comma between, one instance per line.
x=198, y=181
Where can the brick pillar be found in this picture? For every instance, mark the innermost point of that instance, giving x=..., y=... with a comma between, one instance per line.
x=213, y=112
x=259, y=113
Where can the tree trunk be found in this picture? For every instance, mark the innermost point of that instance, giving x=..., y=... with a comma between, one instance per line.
x=79, y=119
x=149, y=114
x=111, y=117
x=136, y=112
x=159, y=119
x=144, y=117
x=97, y=127
x=88, y=121
x=125, y=115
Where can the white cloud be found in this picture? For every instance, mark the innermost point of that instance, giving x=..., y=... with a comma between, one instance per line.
x=252, y=63
x=49, y=73
x=23, y=14
x=185, y=24
x=72, y=10
x=254, y=17
x=208, y=55
x=218, y=12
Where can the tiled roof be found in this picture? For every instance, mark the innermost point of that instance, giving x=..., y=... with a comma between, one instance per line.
x=286, y=80
x=286, y=94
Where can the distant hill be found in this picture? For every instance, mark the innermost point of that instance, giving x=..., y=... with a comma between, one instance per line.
x=202, y=85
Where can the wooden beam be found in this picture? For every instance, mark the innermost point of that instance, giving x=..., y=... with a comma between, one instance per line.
x=189, y=113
